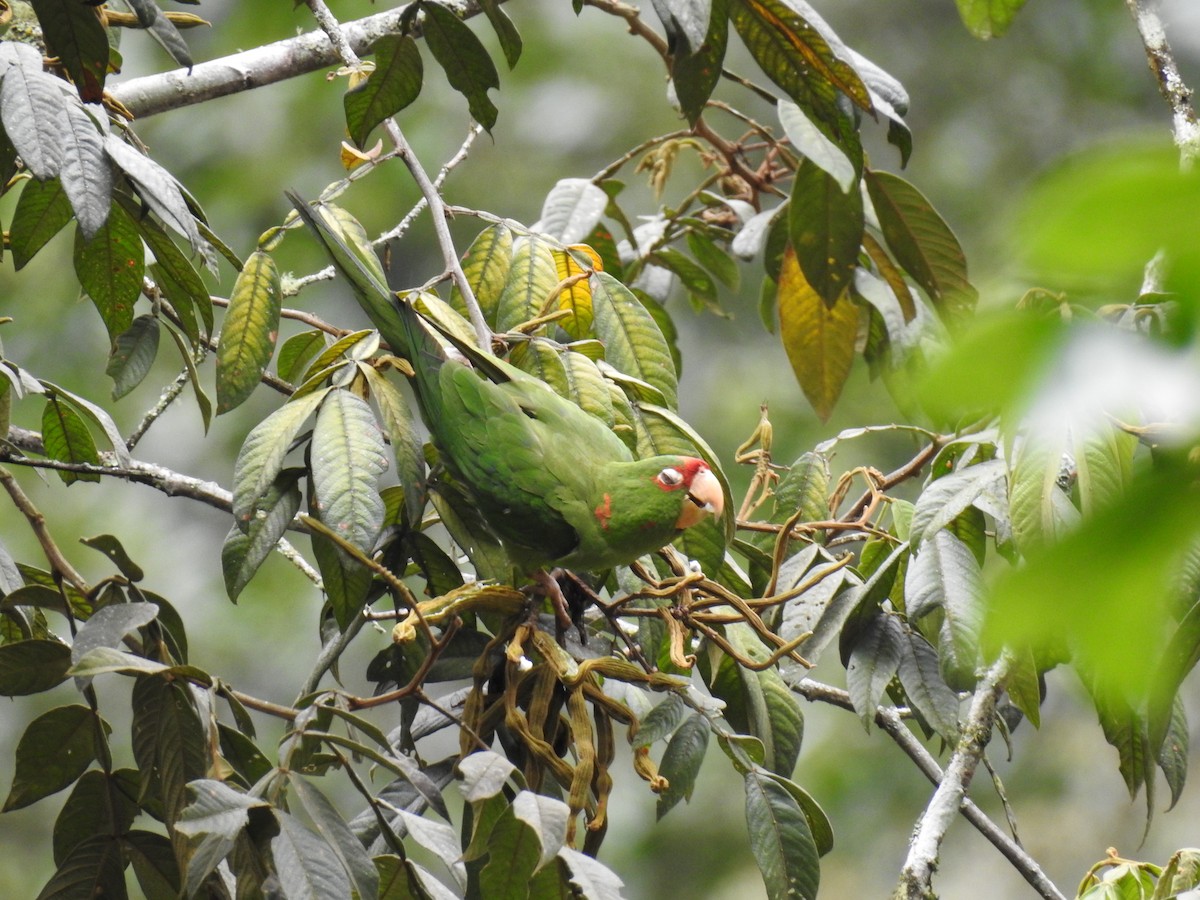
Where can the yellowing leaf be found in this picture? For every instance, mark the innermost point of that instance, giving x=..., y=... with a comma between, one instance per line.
x=250, y=330
x=486, y=264
x=576, y=296
x=819, y=339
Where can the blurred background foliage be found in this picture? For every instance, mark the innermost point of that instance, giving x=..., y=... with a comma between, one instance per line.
x=987, y=119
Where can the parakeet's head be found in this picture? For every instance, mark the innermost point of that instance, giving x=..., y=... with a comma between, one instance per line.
x=642, y=505
x=692, y=480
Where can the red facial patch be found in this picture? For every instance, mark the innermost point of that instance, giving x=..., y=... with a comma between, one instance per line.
x=603, y=512
x=680, y=475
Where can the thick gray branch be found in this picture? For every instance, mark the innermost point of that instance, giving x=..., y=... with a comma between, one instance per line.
x=271, y=63
x=917, y=875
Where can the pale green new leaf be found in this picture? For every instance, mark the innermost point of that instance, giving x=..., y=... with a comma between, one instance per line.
x=250, y=330
x=262, y=454
x=486, y=264
x=66, y=438
x=528, y=284
x=347, y=458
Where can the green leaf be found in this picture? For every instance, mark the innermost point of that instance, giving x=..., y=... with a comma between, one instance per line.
x=681, y=762
x=819, y=337
x=921, y=678
x=697, y=282
x=261, y=458
x=486, y=264
x=506, y=32
x=514, y=851
x=214, y=819
x=75, y=34
x=695, y=70
x=338, y=837
x=825, y=226
x=530, y=279
x=100, y=804
x=247, y=547
x=1172, y=756
x=781, y=840
x=944, y=499
x=109, y=625
x=250, y=330
x=399, y=426
x=714, y=258
x=794, y=55
x=988, y=18
x=169, y=741
x=393, y=85
x=347, y=458
x=174, y=274
x=633, y=342
x=594, y=880
x=56, y=748
x=153, y=859
x=873, y=663
x=66, y=438
x=346, y=581
x=922, y=243
x=32, y=666
x=94, y=868
x=464, y=59
x=132, y=355
x=296, y=352
x=945, y=575
x=110, y=267
x=42, y=211
x=158, y=188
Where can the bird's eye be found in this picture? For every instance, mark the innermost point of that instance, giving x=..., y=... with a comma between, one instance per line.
x=669, y=477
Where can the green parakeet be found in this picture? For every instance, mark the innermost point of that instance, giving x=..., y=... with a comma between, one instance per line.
x=552, y=482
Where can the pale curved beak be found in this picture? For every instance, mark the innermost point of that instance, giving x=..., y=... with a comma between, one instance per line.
x=705, y=497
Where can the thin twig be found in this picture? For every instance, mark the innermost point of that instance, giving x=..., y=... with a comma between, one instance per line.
x=59, y=564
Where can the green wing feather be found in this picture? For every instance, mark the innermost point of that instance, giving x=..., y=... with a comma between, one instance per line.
x=553, y=482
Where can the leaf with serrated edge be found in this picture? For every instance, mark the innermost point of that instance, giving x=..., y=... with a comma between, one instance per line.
x=250, y=330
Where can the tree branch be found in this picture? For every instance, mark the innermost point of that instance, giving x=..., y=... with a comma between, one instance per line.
x=891, y=720
x=1170, y=82
x=262, y=66
x=917, y=874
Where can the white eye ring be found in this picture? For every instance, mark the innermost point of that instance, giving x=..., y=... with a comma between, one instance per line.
x=670, y=477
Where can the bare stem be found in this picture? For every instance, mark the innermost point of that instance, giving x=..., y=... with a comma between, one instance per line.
x=59, y=564
x=1166, y=72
